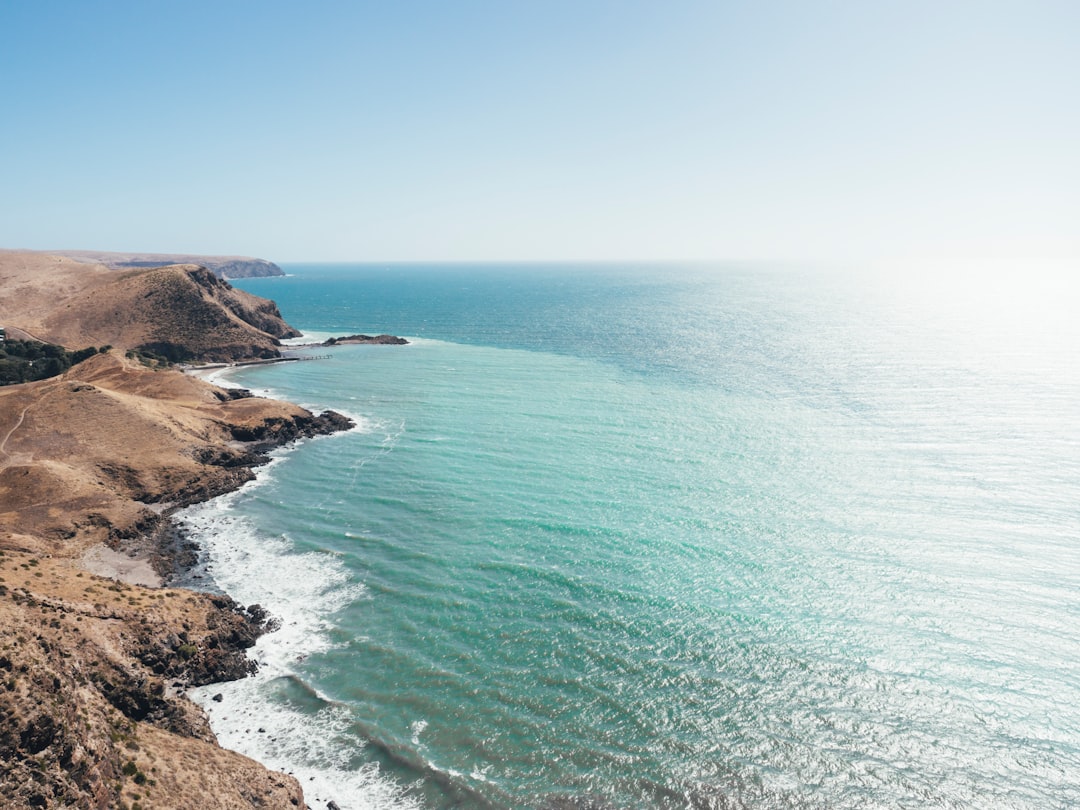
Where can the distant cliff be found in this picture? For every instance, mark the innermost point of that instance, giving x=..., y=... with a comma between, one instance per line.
x=222, y=266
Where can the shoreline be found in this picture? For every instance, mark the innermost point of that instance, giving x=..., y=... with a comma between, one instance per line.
x=158, y=638
x=242, y=716
x=97, y=644
x=191, y=562
x=209, y=371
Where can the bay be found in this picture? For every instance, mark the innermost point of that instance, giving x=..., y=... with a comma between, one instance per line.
x=667, y=536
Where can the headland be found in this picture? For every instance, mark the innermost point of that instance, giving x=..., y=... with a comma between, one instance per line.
x=224, y=266
x=95, y=650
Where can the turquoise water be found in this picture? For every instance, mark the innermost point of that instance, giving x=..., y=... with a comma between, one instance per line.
x=667, y=537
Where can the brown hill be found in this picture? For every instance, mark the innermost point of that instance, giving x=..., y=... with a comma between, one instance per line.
x=92, y=462
x=95, y=454
x=181, y=312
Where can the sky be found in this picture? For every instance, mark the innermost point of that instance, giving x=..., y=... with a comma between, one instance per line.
x=464, y=130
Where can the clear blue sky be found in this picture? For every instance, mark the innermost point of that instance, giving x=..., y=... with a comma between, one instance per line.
x=589, y=129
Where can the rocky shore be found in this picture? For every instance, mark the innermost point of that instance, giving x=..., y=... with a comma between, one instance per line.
x=95, y=654
x=361, y=340
x=92, y=668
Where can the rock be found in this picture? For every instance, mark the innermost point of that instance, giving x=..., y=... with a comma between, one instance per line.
x=380, y=340
x=274, y=431
x=38, y=734
x=218, y=698
x=332, y=422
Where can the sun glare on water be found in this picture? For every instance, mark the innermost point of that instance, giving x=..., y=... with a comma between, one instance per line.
x=1005, y=312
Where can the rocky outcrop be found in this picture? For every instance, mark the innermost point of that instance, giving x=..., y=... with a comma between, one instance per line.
x=90, y=715
x=219, y=655
x=99, y=452
x=272, y=432
x=380, y=340
x=92, y=670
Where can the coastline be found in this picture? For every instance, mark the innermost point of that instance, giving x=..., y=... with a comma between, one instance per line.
x=98, y=646
x=215, y=372
x=274, y=715
x=98, y=559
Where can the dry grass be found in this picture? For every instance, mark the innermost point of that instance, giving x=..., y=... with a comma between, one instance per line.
x=182, y=312
x=90, y=668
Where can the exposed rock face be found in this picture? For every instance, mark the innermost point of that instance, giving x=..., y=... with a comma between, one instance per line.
x=89, y=717
x=275, y=431
x=222, y=266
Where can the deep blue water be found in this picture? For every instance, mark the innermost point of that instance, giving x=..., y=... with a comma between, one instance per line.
x=668, y=536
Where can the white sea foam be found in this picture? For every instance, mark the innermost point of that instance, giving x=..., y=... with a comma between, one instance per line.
x=417, y=728
x=261, y=716
x=307, y=338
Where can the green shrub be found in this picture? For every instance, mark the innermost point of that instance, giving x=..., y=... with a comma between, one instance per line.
x=28, y=360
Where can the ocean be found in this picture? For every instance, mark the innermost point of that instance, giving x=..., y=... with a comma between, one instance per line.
x=666, y=536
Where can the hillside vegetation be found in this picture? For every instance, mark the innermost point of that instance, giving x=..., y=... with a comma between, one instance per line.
x=28, y=360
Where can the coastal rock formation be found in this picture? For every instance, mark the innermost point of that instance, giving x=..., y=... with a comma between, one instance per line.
x=89, y=712
x=93, y=456
x=379, y=340
x=222, y=266
x=92, y=463
x=90, y=668
x=179, y=313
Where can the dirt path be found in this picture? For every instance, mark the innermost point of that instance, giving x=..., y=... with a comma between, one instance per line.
x=6, y=458
x=16, y=426
x=18, y=333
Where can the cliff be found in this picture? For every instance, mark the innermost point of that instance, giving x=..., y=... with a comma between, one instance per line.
x=222, y=266
x=89, y=675
x=92, y=462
